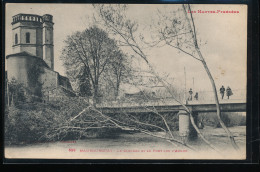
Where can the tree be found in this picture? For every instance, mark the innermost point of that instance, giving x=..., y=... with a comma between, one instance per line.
x=84, y=85
x=119, y=70
x=179, y=31
x=15, y=93
x=87, y=55
x=115, y=19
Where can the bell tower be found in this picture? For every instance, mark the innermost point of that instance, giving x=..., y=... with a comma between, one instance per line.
x=34, y=35
x=48, y=53
x=27, y=34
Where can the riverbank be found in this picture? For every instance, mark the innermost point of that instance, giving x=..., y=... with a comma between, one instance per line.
x=135, y=146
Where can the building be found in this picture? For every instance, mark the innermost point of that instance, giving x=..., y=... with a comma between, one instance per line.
x=32, y=61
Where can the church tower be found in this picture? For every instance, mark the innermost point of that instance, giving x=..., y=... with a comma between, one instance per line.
x=48, y=53
x=27, y=34
x=32, y=60
x=34, y=34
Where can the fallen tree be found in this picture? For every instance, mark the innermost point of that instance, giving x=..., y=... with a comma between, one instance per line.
x=114, y=18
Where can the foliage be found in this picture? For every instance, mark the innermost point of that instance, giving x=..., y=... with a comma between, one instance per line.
x=84, y=85
x=229, y=118
x=119, y=71
x=87, y=57
x=29, y=119
x=16, y=92
x=71, y=119
x=39, y=122
x=115, y=19
x=33, y=77
x=149, y=121
x=177, y=29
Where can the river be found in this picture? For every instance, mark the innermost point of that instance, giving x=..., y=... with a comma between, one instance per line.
x=135, y=146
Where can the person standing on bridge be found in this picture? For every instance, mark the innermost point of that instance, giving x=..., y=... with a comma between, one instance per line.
x=222, y=92
x=196, y=96
x=190, y=97
x=229, y=92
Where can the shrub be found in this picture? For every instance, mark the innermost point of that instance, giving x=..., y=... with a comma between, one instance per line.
x=229, y=118
x=34, y=122
x=139, y=121
x=26, y=125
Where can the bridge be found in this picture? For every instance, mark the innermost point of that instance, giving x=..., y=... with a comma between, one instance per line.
x=167, y=105
x=205, y=103
x=194, y=107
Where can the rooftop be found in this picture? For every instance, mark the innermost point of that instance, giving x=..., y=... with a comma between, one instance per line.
x=28, y=55
x=32, y=18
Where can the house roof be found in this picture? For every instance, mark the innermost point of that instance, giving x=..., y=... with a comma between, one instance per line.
x=28, y=55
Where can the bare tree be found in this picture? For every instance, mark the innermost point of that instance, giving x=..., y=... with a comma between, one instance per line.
x=179, y=31
x=91, y=118
x=118, y=71
x=88, y=54
x=115, y=19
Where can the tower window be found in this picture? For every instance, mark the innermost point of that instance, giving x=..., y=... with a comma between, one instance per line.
x=16, y=39
x=27, y=37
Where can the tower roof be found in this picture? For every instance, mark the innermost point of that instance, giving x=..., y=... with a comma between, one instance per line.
x=32, y=18
x=28, y=55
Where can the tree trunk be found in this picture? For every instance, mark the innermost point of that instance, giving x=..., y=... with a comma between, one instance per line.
x=12, y=101
x=95, y=95
x=230, y=135
x=117, y=90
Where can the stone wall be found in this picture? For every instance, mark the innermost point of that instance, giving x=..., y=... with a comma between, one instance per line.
x=58, y=94
x=17, y=69
x=49, y=79
x=64, y=81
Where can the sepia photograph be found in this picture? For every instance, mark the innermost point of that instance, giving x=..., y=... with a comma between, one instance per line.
x=125, y=81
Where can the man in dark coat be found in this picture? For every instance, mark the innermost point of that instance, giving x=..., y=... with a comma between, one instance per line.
x=222, y=91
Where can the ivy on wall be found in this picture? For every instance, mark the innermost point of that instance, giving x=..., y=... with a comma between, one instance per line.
x=34, y=73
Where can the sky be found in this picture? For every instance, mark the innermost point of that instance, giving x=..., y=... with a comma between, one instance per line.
x=225, y=34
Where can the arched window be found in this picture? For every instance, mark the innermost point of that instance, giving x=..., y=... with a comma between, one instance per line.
x=16, y=39
x=27, y=37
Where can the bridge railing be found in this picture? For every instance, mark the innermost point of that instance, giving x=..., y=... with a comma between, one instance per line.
x=204, y=97
x=208, y=96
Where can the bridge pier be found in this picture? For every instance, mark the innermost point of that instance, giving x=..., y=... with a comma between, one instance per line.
x=186, y=129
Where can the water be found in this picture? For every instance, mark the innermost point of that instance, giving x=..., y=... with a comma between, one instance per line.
x=135, y=146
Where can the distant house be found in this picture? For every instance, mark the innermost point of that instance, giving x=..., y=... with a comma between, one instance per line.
x=141, y=95
x=134, y=95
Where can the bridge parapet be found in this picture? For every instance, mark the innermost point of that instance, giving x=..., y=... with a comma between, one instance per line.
x=206, y=97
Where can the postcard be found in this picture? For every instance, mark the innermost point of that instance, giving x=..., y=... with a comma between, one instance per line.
x=125, y=81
